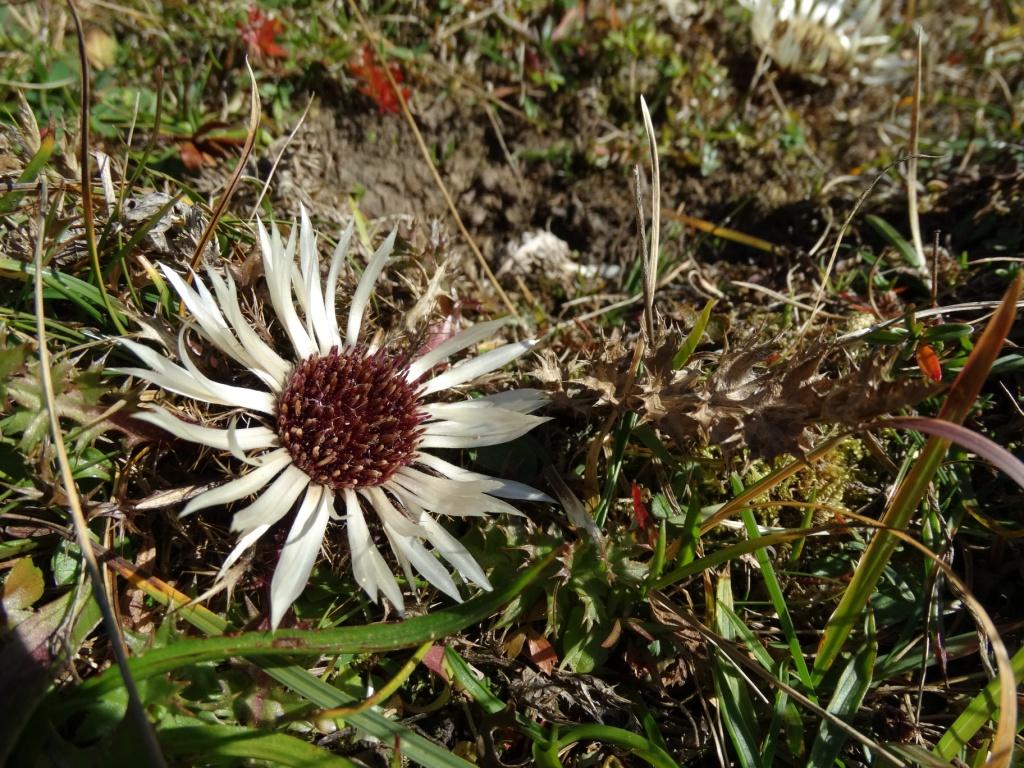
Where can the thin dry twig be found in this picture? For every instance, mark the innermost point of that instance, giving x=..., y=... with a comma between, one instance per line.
x=88, y=214
x=277, y=160
x=152, y=748
x=650, y=259
x=222, y=204
x=915, y=126
x=425, y=151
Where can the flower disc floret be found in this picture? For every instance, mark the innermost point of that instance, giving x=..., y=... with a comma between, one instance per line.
x=349, y=419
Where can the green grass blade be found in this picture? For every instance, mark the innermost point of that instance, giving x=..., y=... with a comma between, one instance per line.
x=784, y=708
x=289, y=643
x=735, y=551
x=477, y=689
x=907, y=252
x=326, y=696
x=614, y=468
x=33, y=167
x=737, y=709
x=225, y=741
x=639, y=745
x=771, y=583
x=693, y=337
x=738, y=628
x=320, y=692
x=85, y=295
x=979, y=711
x=911, y=490
x=853, y=685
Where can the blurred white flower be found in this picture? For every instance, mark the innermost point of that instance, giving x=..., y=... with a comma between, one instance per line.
x=806, y=36
x=342, y=427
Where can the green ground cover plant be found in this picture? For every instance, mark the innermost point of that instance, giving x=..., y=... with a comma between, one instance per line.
x=557, y=384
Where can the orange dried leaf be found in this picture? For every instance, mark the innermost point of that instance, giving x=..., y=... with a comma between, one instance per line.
x=194, y=158
x=541, y=652
x=928, y=362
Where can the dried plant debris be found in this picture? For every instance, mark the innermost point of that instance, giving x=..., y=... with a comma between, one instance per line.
x=742, y=398
x=168, y=227
x=541, y=251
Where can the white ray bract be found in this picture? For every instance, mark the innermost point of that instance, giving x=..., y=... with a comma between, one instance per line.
x=452, y=550
x=244, y=542
x=477, y=434
x=507, y=489
x=249, y=438
x=519, y=400
x=277, y=270
x=423, y=561
x=300, y=551
x=261, y=359
x=460, y=341
x=207, y=314
x=275, y=502
x=456, y=418
x=368, y=567
x=309, y=265
x=226, y=394
x=387, y=512
x=450, y=497
x=241, y=487
x=337, y=259
x=365, y=288
x=476, y=367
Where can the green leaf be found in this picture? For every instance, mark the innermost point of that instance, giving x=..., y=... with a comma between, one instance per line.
x=853, y=685
x=737, y=709
x=362, y=639
x=24, y=585
x=32, y=169
x=221, y=741
x=66, y=563
x=947, y=332
x=12, y=358
x=961, y=398
x=647, y=750
x=771, y=584
x=471, y=684
x=83, y=294
x=888, y=336
x=270, y=650
x=27, y=663
x=895, y=239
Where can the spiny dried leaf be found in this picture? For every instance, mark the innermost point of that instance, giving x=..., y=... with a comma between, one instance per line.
x=747, y=400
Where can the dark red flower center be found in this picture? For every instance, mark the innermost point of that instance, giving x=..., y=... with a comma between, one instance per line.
x=349, y=419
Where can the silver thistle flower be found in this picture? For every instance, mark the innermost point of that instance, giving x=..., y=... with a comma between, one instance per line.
x=805, y=36
x=345, y=426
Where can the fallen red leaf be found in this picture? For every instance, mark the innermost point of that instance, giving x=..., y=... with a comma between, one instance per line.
x=260, y=34
x=434, y=661
x=375, y=82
